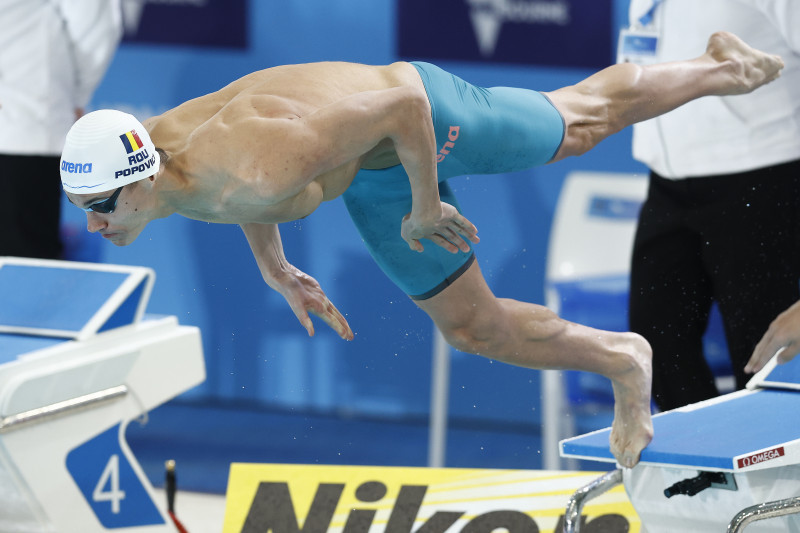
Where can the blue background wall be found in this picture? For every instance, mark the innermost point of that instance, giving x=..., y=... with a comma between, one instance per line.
x=258, y=357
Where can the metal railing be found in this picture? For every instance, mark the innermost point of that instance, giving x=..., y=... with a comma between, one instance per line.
x=763, y=511
x=572, y=518
x=32, y=416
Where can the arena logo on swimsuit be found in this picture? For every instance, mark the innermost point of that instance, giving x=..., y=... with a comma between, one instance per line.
x=452, y=135
x=139, y=162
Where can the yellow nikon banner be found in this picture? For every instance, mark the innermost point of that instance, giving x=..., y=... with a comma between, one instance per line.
x=276, y=498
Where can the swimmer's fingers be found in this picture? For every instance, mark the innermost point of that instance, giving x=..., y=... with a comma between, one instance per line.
x=456, y=228
x=331, y=316
x=457, y=233
x=451, y=239
x=451, y=242
x=466, y=228
x=324, y=309
x=415, y=245
x=305, y=320
x=304, y=295
x=446, y=243
x=316, y=303
x=451, y=231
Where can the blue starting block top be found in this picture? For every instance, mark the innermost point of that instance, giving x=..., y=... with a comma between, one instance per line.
x=744, y=430
x=64, y=299
x=720, y=434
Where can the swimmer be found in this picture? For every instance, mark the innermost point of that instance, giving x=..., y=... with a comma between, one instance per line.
x=273, y=145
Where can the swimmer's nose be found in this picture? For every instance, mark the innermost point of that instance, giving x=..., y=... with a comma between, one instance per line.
x=94, y=222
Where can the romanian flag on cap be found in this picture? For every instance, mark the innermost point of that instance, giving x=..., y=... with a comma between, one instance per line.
x=131, y=141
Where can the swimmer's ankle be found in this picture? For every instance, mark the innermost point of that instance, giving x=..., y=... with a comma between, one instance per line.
x=633, y=356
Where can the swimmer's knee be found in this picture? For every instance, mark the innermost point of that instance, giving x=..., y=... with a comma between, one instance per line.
x=474, y=335
x=464, y=340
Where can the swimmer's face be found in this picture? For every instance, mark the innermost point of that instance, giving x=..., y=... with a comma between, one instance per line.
x=128, y=216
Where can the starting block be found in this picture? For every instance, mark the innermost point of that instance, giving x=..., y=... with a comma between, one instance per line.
x=720, y=463
x=79, y=360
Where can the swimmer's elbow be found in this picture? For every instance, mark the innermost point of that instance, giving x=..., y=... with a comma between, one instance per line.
x=416, y=106
x=396, y=110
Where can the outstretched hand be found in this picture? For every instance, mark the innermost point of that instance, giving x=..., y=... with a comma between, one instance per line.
x=305, y=296
x=448, y=231
x=783, y=333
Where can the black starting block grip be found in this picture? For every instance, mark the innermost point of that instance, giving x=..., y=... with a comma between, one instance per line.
x=696, y=484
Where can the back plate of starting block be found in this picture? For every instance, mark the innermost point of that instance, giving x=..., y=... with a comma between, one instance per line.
x=68, y=299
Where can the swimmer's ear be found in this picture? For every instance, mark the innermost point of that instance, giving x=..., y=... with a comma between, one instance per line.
x=163, y=157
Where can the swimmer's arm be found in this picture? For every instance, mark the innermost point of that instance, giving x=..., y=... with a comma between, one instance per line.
x=347, y=130
x=300, y=290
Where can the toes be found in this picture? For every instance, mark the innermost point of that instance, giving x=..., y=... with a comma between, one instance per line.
x=629, y=460
x=627, y=452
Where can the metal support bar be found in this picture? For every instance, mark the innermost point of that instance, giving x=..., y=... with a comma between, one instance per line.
x=764, y=511
x=572, y=518
x=552, y=415
x=11, y=422
x=440, y=389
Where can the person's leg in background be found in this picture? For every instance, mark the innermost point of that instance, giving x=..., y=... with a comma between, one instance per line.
x=753, y=254
x=670, y=297
x=30, y=206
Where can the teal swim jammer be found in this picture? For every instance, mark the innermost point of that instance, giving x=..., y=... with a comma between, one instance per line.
x=478, y=131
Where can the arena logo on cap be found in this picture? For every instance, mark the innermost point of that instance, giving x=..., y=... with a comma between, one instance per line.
x=131, y=141
x=76, y=168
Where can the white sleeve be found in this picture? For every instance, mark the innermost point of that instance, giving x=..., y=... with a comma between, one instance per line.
x=785, y=16
x=94, y=28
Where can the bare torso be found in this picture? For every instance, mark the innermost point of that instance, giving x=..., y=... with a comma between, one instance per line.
x=217, y=171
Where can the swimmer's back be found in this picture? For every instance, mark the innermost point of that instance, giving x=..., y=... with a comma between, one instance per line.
x=287, y=90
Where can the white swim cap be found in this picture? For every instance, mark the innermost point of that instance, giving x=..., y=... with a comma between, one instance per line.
x=104, y=150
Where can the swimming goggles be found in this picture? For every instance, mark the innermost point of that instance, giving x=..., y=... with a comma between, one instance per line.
x=105, y=206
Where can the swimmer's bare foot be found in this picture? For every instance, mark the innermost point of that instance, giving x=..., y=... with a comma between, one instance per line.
x=746, y=68
x=632, y=429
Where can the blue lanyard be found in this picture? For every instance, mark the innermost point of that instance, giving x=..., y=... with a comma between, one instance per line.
x=647, y=18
